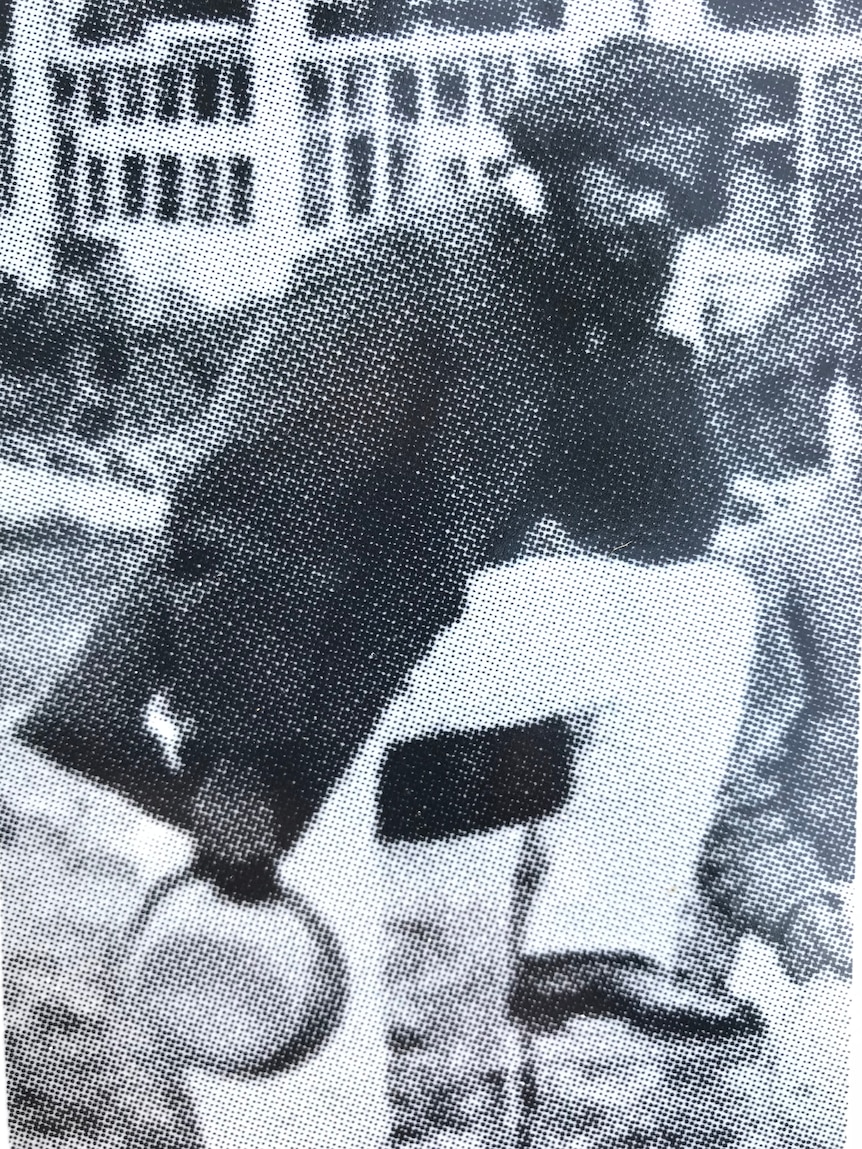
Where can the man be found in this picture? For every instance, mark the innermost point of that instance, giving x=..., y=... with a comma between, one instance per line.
x=786, y=403
x=781, y=850
x=777, y=867
x=402, y=417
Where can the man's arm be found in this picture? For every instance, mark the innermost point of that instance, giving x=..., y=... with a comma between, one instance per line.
x=94, y=720
x=759, y=869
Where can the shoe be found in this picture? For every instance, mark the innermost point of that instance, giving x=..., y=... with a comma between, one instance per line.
x=551, y=989
x=660, y=1003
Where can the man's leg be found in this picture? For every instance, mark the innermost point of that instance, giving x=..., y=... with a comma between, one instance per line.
x=454, y=1056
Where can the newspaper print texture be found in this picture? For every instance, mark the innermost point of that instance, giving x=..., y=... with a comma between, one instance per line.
x=430, y=483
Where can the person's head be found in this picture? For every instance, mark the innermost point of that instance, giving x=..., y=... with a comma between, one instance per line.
x=631, y=147
x=788, y=396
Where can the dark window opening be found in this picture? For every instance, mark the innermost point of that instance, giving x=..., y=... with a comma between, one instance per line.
x=316, y=180
x=63, y=84
x=168, y=94
x=404, y=94
x=206, y=200
x=96, y=22
x=551, y=13
x=837, y=199
x=237, y=11
x=450, y=90
x=97, y=186
x=134, y=176
x=765, y=16
x=170, y=187
x=5, y=21
x=357, y=84
x=132, y=93
x=206, y=93
x=763, y=199
x=7, y=144
x=374, y=17
x=240, y=91
x=456, y=169
x=240, y=189
x=316, y=89
x=398, y=168
x=494, y=15
x=65, y=162
x=496, y=84
x=359, y=162
x=97, y=95
x=773, y=93
x=386, y=17
x=839, y=115
x=848, y=13
x=776, y=159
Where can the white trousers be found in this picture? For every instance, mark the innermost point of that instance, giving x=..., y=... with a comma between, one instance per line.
x=659, y=657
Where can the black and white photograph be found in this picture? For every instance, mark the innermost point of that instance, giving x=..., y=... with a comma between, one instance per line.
x=430, y=572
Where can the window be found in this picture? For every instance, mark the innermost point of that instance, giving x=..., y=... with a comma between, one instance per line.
x=398, y=167
x=240, y=189
x=493, y=15
x=97, y=186
x=346, y=18
x=762, y=15
x=97, y=95
x=206, y=94
x=316, y=89
x=237, y=11
x=7, y=155
x=168, y=94
x=99, y=22
x=65, y=161
x=133, y=178
x=131, y=85
x=496, y=85
x=772, y=94
x=385, y=17
x=207, y=190
x=240, y=90
x=839, y=116
x=848, y=13
x=550, y=13
x=170, y=188
x=763, y=197
x=404, y=94
x=837, y=199
x=316, y=180
x=63, y=84
x=358, y=80
x=359, y=162
x=455, y=168
x=450, y=90
x=776, y=159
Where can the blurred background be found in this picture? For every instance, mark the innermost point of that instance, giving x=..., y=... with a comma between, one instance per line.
x=164, y=162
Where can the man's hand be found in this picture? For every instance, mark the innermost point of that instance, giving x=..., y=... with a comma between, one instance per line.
x=818, y=935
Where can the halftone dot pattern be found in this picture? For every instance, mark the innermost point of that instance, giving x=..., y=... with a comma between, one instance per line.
x=431, y=490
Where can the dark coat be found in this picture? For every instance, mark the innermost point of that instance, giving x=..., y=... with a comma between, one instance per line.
x=397, y=421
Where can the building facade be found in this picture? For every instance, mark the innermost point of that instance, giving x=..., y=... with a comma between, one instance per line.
x=211, y=140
